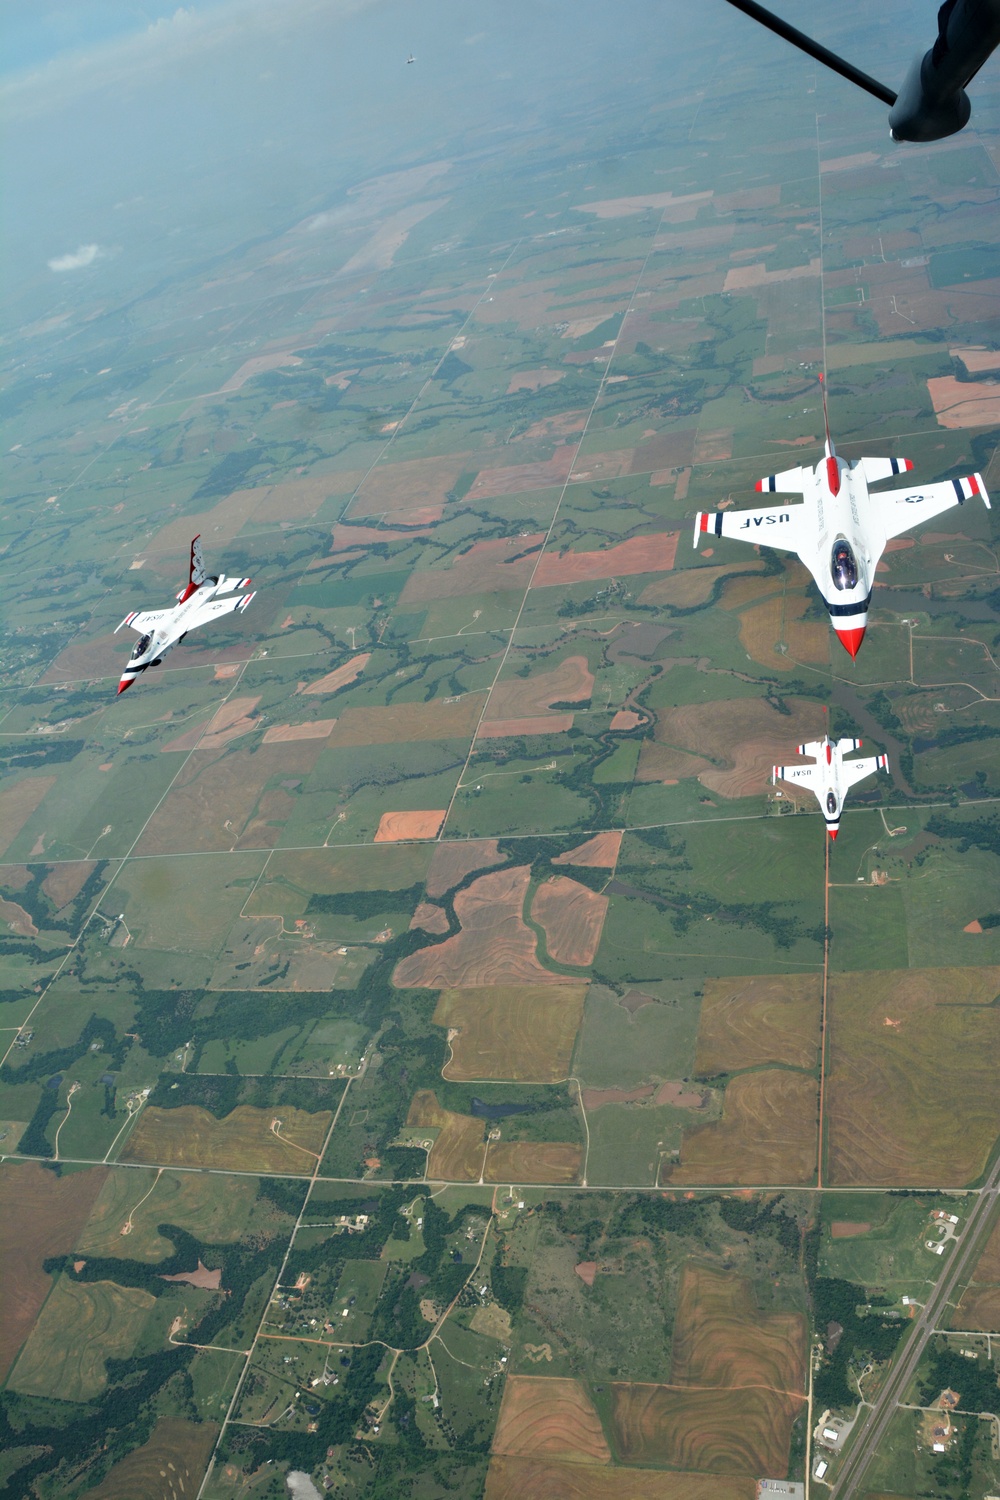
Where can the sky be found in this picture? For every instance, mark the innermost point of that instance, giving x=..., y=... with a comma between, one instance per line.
x=141, y=136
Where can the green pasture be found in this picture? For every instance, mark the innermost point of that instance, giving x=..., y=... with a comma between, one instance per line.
x=622, y=1048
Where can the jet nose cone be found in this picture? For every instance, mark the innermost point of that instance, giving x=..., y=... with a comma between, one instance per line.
x=833, y=832
x=851, y=640
x=125, y=683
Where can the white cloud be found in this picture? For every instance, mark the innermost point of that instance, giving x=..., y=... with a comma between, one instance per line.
x=85, y=255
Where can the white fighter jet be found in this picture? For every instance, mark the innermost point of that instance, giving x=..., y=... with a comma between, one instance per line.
x=841, y=529
x=197, y=603
x=830, y=775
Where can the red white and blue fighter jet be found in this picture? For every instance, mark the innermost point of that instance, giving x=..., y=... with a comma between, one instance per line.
x=840, y=530
x=830, y=775
x=197, y=603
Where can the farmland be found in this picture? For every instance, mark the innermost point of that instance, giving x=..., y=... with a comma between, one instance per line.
x=437, y=1059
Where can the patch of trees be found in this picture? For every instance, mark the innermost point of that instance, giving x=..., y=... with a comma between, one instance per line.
x=865, y=1335
x=509, y=1284
x=33, y=1141
x=51, y=752
x=975, y=1380
x=754, y=1217
x=972, y=833
x=364, y=904
x=221, y=1093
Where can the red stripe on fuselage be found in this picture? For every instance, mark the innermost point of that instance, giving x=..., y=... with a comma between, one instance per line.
x=833, y=476
x=974, y=484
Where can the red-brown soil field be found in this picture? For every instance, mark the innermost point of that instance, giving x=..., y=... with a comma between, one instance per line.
x=502, y=565
x=780, y=619
x=571, y=916
x=430, y=917
x=64, y=882
x=533, y=1161
x=640, y=554
x=404, y=722
x=451, y=862
x=543, y=1416
x=400, y=489
x=168, y=1467
x=515, y=479
x=527, y=697
x=915, y=1102
x=736, y=1386
x=541, y=1479
x=767, y=1133
x=598, y=853
x=514, y=1032
x=493, y=947
x=40, y=1215
x=766, y=1018
x=457, y=1152
x=395, y=827
x=247, y=1138
x=18, y=802
x=506, y=729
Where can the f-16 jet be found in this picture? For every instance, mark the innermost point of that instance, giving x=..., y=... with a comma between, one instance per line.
x=830, y=775
x=197, y=603
x=840, y=530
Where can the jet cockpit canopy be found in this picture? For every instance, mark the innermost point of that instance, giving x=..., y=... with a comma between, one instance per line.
x=141, y=646
x=844, y=566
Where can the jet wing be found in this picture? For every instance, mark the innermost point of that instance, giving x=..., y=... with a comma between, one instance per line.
x=805, y=775
x=213, y=608
x=876, y=469
x=788, y=482
x=775, y=526
x=856, y=770
x=900, y=510
x=146, y=621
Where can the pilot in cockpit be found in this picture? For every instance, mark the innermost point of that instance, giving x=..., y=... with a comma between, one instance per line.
x=141, y=646
x=843, y=566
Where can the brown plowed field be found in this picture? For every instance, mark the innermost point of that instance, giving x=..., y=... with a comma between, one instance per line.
x=598, y=853
x=914, y=1103
x=515, y=479
x=970, y=403
x=18, y=802
x=767, y=1018
x=404, y=722
x=522, y=1033
x=502, y=565
x=534, y=380
x=980, y=1303
x=417, y=484
x=40, y=1215
x=217, y=794
x=737, y=1378
x=502, y=729
x=762, y=626
x=228, y=723
x=543, y=1416
x=341, y=676
x=571, y=916
x=457, y=1153
x=534, y=1161
x=745, y=732
x=493, y=947
x=360, y=538
x=737, y=1432
x=767, y=1133
x=627, y=718
x=667, y=764
x=169, y=1467
x=64, y=882
x=571, y=681
x=594, y=1099
x=452, y=861
x=395, y=827
x=312, y=729
x=640, y=554
x=429, y=917
x=191, y=1137
x=541, y=1479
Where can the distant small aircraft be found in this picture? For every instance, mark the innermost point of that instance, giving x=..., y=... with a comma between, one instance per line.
x=197, y=603
x=411, y=58
x=830, y=775
x=932, y=102
x=841, y=530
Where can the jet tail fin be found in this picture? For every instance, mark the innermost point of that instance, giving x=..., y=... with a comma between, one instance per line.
x=196, y=571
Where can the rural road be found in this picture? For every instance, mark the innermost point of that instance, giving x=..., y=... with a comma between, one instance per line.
x=872, y=1428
